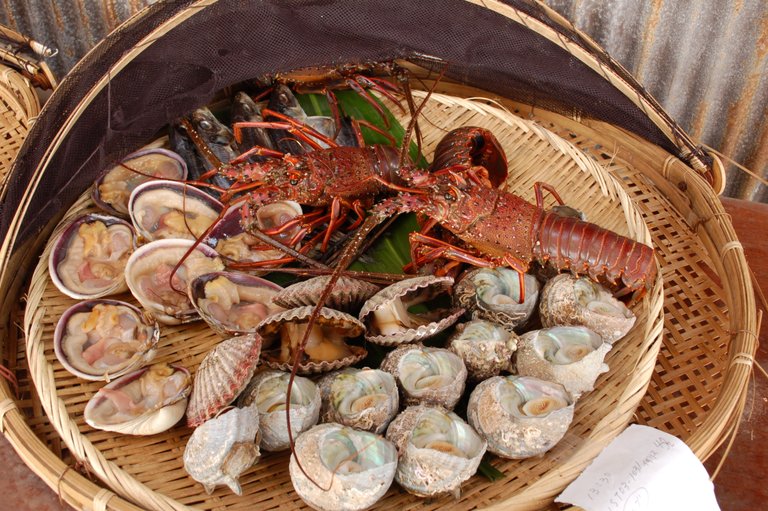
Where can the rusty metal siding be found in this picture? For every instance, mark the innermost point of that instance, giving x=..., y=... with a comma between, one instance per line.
x=704, y=61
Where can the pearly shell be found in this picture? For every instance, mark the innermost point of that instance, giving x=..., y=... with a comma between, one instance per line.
x=348, y=294
x=365, y=399
x=485, y=347
x=494, y=294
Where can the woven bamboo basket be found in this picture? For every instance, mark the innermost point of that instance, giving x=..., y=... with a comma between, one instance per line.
x=697, y=382
x=19, y=106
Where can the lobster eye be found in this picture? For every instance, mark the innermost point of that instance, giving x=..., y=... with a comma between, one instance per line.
x=206, y=125
x=294, y=181
x=449, y=196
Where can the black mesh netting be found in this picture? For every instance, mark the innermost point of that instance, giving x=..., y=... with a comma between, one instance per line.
x=113, y=102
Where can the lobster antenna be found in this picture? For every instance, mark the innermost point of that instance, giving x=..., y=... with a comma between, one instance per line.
x=415, y=118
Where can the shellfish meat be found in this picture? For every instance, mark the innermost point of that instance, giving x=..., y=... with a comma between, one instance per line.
x=365, y=399
x=494, y=294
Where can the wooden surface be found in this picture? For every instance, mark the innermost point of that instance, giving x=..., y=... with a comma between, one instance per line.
x=739, y=486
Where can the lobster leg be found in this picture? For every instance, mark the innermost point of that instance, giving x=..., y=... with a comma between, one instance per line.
x=538, y=186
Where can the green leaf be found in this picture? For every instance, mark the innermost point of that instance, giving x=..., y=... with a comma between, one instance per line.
x=490, y=472
x=392, y=250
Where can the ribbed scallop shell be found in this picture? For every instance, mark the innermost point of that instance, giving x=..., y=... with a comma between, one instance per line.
x=387, y=318
x=493, y=294
x=223, y=374
x=520, y=416
x=485, y=347
x=365, y=399
x=348, y=294
x=351, y=469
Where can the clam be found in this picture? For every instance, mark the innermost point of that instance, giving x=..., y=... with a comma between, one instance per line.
x=144, y=402
x=571, y=300
x=233, y=303
x=114, y=186
x=485, y=347
x=167, y=209
x=149, y=270
x=89, y=256
x=223, y=374
x=494, y=294
x=268, y=390
x=348, y=294
x=326, y=347
x=569, y=355
x=390, y=318
x=365, y=399
x=433, y=376
x=104, y=339
x=223, y=448
x=351, y=469
x=438, y=450
x=520, y=416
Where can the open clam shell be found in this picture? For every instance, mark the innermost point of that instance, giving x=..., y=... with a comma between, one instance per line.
x=569, y=355
x=348, y=294
x=114, y=186
x=438, y=450
x=222, y=448
x=433, y=376
x=351, y=469
x=485, y=347
x=570, y=300
x=326, y=348
x=233, y=303
x=268, y=390
x=148, y=274
x=494, y=294
x=520, y=416
x=104, y=339
x=223, y=374
x=387, y=317
x=88, y=258
x=144, y=402
x=365, y=399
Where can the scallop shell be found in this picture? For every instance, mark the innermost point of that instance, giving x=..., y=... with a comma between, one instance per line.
x=569, y=355
x=388, y=320
x=105, y=242
x=494, y=294
x=365, y=399
x=485, y=347
x=571, y=300
x=438, y=450
x=348, y=294
x=520, y=416
x=149, y=269
x=268, y=390
x=120, y=337
x=351, y=469
x=144, y=402
x=432, y=376
x=233, y=303
x=223, y=374
x=326, y=349
x=223, y=448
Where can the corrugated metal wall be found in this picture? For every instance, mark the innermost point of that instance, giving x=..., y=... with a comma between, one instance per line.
x=705, y=61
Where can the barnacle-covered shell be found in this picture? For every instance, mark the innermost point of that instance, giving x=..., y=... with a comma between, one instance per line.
x=432, y=376
x=104, y=339
x=485, y=347
x=222, y=448
x=520, y=416
x=268, y=390
x=223, y=374
x=360, y=398
x=144, y=402
x=89, y=256
x=148, y=274
x=388, y=320
x=570, y=300
x=494, y=294
x=438, y=450
x=569, y=355
x=348, y=294
x=326, y=348
x=351, y=469
x=233, y=303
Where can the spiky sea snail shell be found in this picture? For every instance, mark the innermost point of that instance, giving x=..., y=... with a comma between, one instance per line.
x=438, y=450
x=352, y=469
x=485, y=347
x=387, y=317
x=222, y=448
x=434, y=376
x=268, y=390
x=348, y=294
x=365, y=399
x=494, y=294
x=520, y=416
x=569, y=355
x=570, y=300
